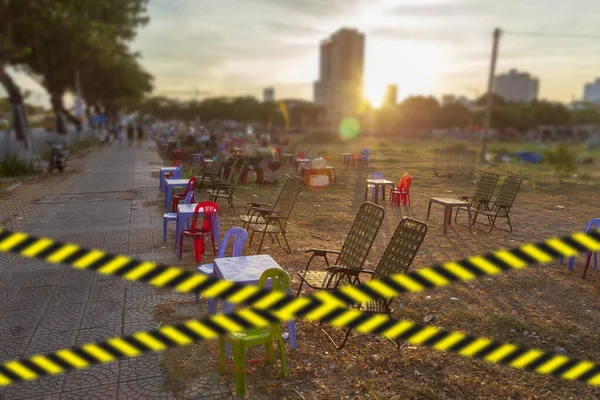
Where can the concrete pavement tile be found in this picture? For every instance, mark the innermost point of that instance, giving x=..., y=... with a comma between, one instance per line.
x=61, y=318
x=31, y=298
x=45, y=277
x=94, y=335
x=41, y=344
x=48, y=387
x=102, y=313
x=144, y=389
x=96, y=376
x=70, y=294
x=16, y=324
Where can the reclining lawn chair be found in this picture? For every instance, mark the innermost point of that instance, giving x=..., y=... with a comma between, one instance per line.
x=274, y=225
x=213, y=173
x=226, y=191
x=502, y=205
x=215, y=184
x=256, y=211
x=397, y=258
x=354, y=251
x=483, y=194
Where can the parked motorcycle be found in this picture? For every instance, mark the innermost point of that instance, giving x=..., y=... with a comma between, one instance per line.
x=58, y=157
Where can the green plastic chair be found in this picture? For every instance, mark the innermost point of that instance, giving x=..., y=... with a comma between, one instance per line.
x=240, y=342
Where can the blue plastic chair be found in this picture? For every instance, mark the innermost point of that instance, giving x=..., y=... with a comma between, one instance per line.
x=239, y=236
x=172, y=216
x=363, y=158
x=593, y=224
x=377, y=176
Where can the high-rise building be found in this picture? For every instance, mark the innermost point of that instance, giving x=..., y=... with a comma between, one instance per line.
x=269, y=95
x=591, y=92
x=391, y=96
x=516, y=87
x=340, y=85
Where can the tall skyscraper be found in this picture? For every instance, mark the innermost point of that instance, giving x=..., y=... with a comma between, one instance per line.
x=517, y=87
x=391, y=96
x=591, y=92
x=269, y=95
x=341, y=69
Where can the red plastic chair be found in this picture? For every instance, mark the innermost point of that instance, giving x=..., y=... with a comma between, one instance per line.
x=402, y=192
x=179, y=197
x=197, y=234
x=169, y=175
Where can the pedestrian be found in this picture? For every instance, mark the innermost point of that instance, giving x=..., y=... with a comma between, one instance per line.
x=140, y=134
x=130, y=134
x=121, y=133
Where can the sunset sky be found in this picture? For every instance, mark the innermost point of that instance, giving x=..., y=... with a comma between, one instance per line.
x=429, y=47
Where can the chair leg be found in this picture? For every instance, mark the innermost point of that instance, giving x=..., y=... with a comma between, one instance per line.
x=180, y=245
x=165, y=221
x=289, y=250
x=212, y=238
x=262, y=239
x=239, y=365
x=341, y=346
x=222, y=358
x=270, y=352
x=282, y=355
x=587, y=264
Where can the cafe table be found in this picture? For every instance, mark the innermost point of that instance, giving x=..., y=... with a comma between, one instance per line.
x=184, y=213
x=171, y=184
x=163, y=172
x=246, y=270
x=377, y=184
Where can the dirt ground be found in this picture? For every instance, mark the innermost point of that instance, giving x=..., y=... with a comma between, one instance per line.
x=541, y=307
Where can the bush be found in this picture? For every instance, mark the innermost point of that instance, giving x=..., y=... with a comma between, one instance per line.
x=13, y=166
x=561, y=160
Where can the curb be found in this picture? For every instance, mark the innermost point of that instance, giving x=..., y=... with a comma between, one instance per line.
x=13, y=187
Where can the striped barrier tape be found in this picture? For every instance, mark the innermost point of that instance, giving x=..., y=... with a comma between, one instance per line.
x=159, y=275
x=193, y=331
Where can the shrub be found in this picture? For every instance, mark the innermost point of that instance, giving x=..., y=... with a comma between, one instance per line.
x=14, y=166
x=561, y=160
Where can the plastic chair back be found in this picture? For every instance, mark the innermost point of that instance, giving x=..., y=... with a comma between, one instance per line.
x=178, y=172
x=239, y=236
x=176, y=163
x=209, y=212
x=188, y=198
x=280, y=280
x=190, y=186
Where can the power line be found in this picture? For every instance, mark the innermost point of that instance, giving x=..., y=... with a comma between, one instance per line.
x=557, y=35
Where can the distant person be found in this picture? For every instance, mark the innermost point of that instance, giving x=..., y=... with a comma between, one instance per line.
x=140, y=134
x=130, y=134
x=121, y=133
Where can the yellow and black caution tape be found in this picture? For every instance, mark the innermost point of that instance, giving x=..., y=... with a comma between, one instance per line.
x=193, y=331
x=268, y=307
x=159, y=275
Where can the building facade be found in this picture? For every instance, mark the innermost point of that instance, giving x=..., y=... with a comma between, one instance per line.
x=591, y=92
x=341, y=70
x=269, y=95
x=516, y=87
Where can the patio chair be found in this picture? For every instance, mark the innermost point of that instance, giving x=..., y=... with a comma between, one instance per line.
x=178, y=197
x=354, y=251
x=483, y=194
x=500, y=208
x=172, y=216
x=213, y=173
x=275, y=225
x=238, y=237
x=402, y=191
x=198, y=233
x=593, y=224
x=376, y=176
x=226, y=191
x=256, y=211
x=397, y=258
x=215, y=184
x=280, y=281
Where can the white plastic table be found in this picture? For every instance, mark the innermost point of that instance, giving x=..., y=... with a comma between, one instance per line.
x=171, y=184
x=185, y=212
x=163, y=171
x=245, y=270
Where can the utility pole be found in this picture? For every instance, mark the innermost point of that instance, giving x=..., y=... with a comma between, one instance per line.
x=490, y=96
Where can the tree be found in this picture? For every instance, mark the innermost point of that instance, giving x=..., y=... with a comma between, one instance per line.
x=62, y=36
x=454, y=115
x=418, y=112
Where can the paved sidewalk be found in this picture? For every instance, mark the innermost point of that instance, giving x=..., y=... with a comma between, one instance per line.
x=46, y=307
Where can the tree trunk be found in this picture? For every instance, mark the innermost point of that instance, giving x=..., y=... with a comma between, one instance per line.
x=56, y=99
x=88, y=114
x=76, y=121
x=15, y=97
